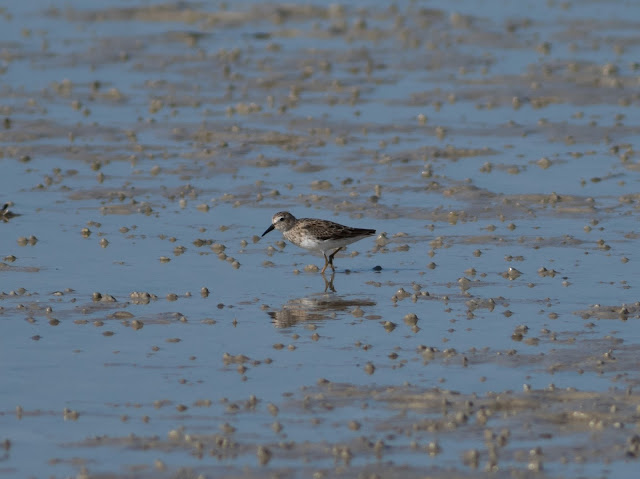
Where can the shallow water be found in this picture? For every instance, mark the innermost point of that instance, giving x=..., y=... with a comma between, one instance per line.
x=474, y=138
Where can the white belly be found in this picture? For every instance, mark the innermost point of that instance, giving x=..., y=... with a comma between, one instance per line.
x=326, y=246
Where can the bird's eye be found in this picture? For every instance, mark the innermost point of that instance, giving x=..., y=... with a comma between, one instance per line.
x=281, y=219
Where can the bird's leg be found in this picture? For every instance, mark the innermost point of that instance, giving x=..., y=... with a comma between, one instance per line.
x=326, y=263
x=331, y=257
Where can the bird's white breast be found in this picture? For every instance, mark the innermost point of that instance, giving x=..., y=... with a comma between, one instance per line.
x=312, y=244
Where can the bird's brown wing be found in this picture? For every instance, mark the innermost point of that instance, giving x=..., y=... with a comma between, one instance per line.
x=326, y=230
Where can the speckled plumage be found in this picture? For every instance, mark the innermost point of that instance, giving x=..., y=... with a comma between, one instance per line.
x=317, y=235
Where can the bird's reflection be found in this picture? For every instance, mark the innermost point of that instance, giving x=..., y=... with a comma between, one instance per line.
x=314, y=308
x=328, y=285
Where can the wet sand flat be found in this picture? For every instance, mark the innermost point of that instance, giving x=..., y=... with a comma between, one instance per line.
x=489, y=328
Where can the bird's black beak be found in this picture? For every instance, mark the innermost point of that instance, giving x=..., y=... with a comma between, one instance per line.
x=270, y=228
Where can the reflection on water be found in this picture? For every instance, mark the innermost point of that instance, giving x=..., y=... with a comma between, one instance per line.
x=315, y=308
x=328, y=285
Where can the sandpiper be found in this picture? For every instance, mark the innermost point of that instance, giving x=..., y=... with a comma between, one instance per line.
x=5, y=214
x=317, y=235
